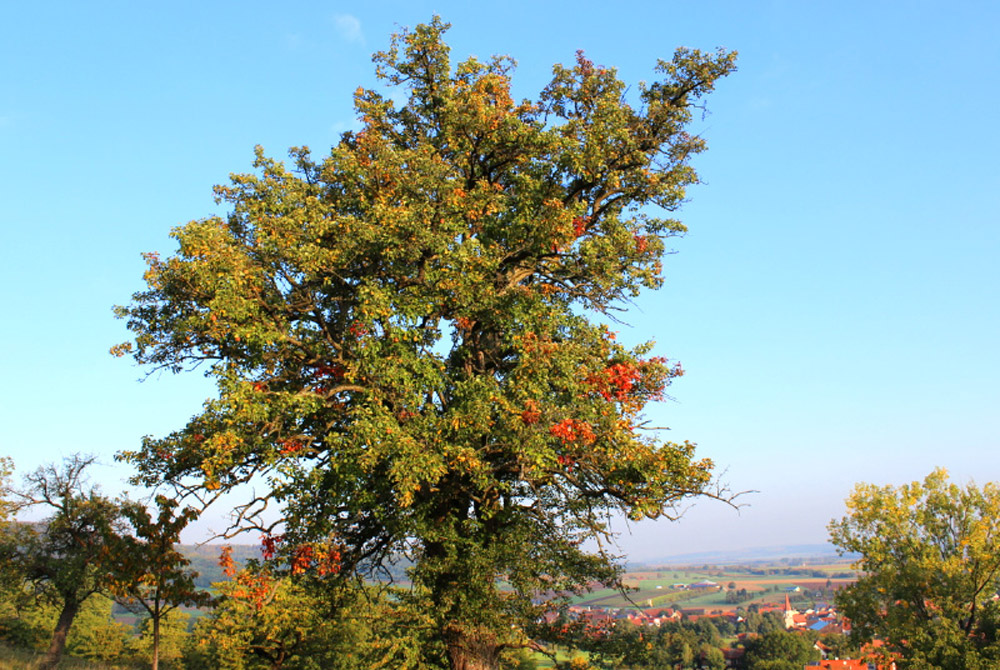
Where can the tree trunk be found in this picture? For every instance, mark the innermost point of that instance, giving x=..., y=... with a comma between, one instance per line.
x=469, y=651
x=66, y=616
x=156, y=642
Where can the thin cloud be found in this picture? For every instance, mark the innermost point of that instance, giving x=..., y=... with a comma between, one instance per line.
x=399, y=96
x=341, y=127
x=349, y=28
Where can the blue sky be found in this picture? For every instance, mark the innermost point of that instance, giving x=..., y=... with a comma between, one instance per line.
x=835, y=303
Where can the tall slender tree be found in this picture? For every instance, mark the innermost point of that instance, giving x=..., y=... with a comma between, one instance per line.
x=409, y=336
x=150, y=575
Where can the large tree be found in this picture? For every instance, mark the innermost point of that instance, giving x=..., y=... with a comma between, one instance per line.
x=930, y=562
x=408, y=336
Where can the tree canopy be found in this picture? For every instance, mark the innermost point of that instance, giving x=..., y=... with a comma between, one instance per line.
x=930, y=556
x=410, y=341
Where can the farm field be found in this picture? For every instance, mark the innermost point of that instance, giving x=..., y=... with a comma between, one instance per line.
x=764, y=584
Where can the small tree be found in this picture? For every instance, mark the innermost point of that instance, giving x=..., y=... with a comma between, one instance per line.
x=261, y=616
x=6, y=493
x=151, y=576
x=779, y=650
x=265, y=621
x=711, y=658
x=96, y=635
x=930, y=559
x=407, y=335
x=65, y=557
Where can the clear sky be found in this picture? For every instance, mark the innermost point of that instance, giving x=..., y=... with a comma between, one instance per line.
x=835, y=303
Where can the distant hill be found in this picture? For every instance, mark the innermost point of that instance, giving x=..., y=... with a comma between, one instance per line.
x=771, y=554
x=205, y=560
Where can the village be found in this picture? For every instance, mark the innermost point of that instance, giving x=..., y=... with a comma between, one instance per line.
x=740, y=602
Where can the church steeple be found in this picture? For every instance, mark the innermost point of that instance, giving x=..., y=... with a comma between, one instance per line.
x=789, y=614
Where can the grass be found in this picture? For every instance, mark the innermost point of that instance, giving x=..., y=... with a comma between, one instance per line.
x=543, y=662
x=21, y=659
